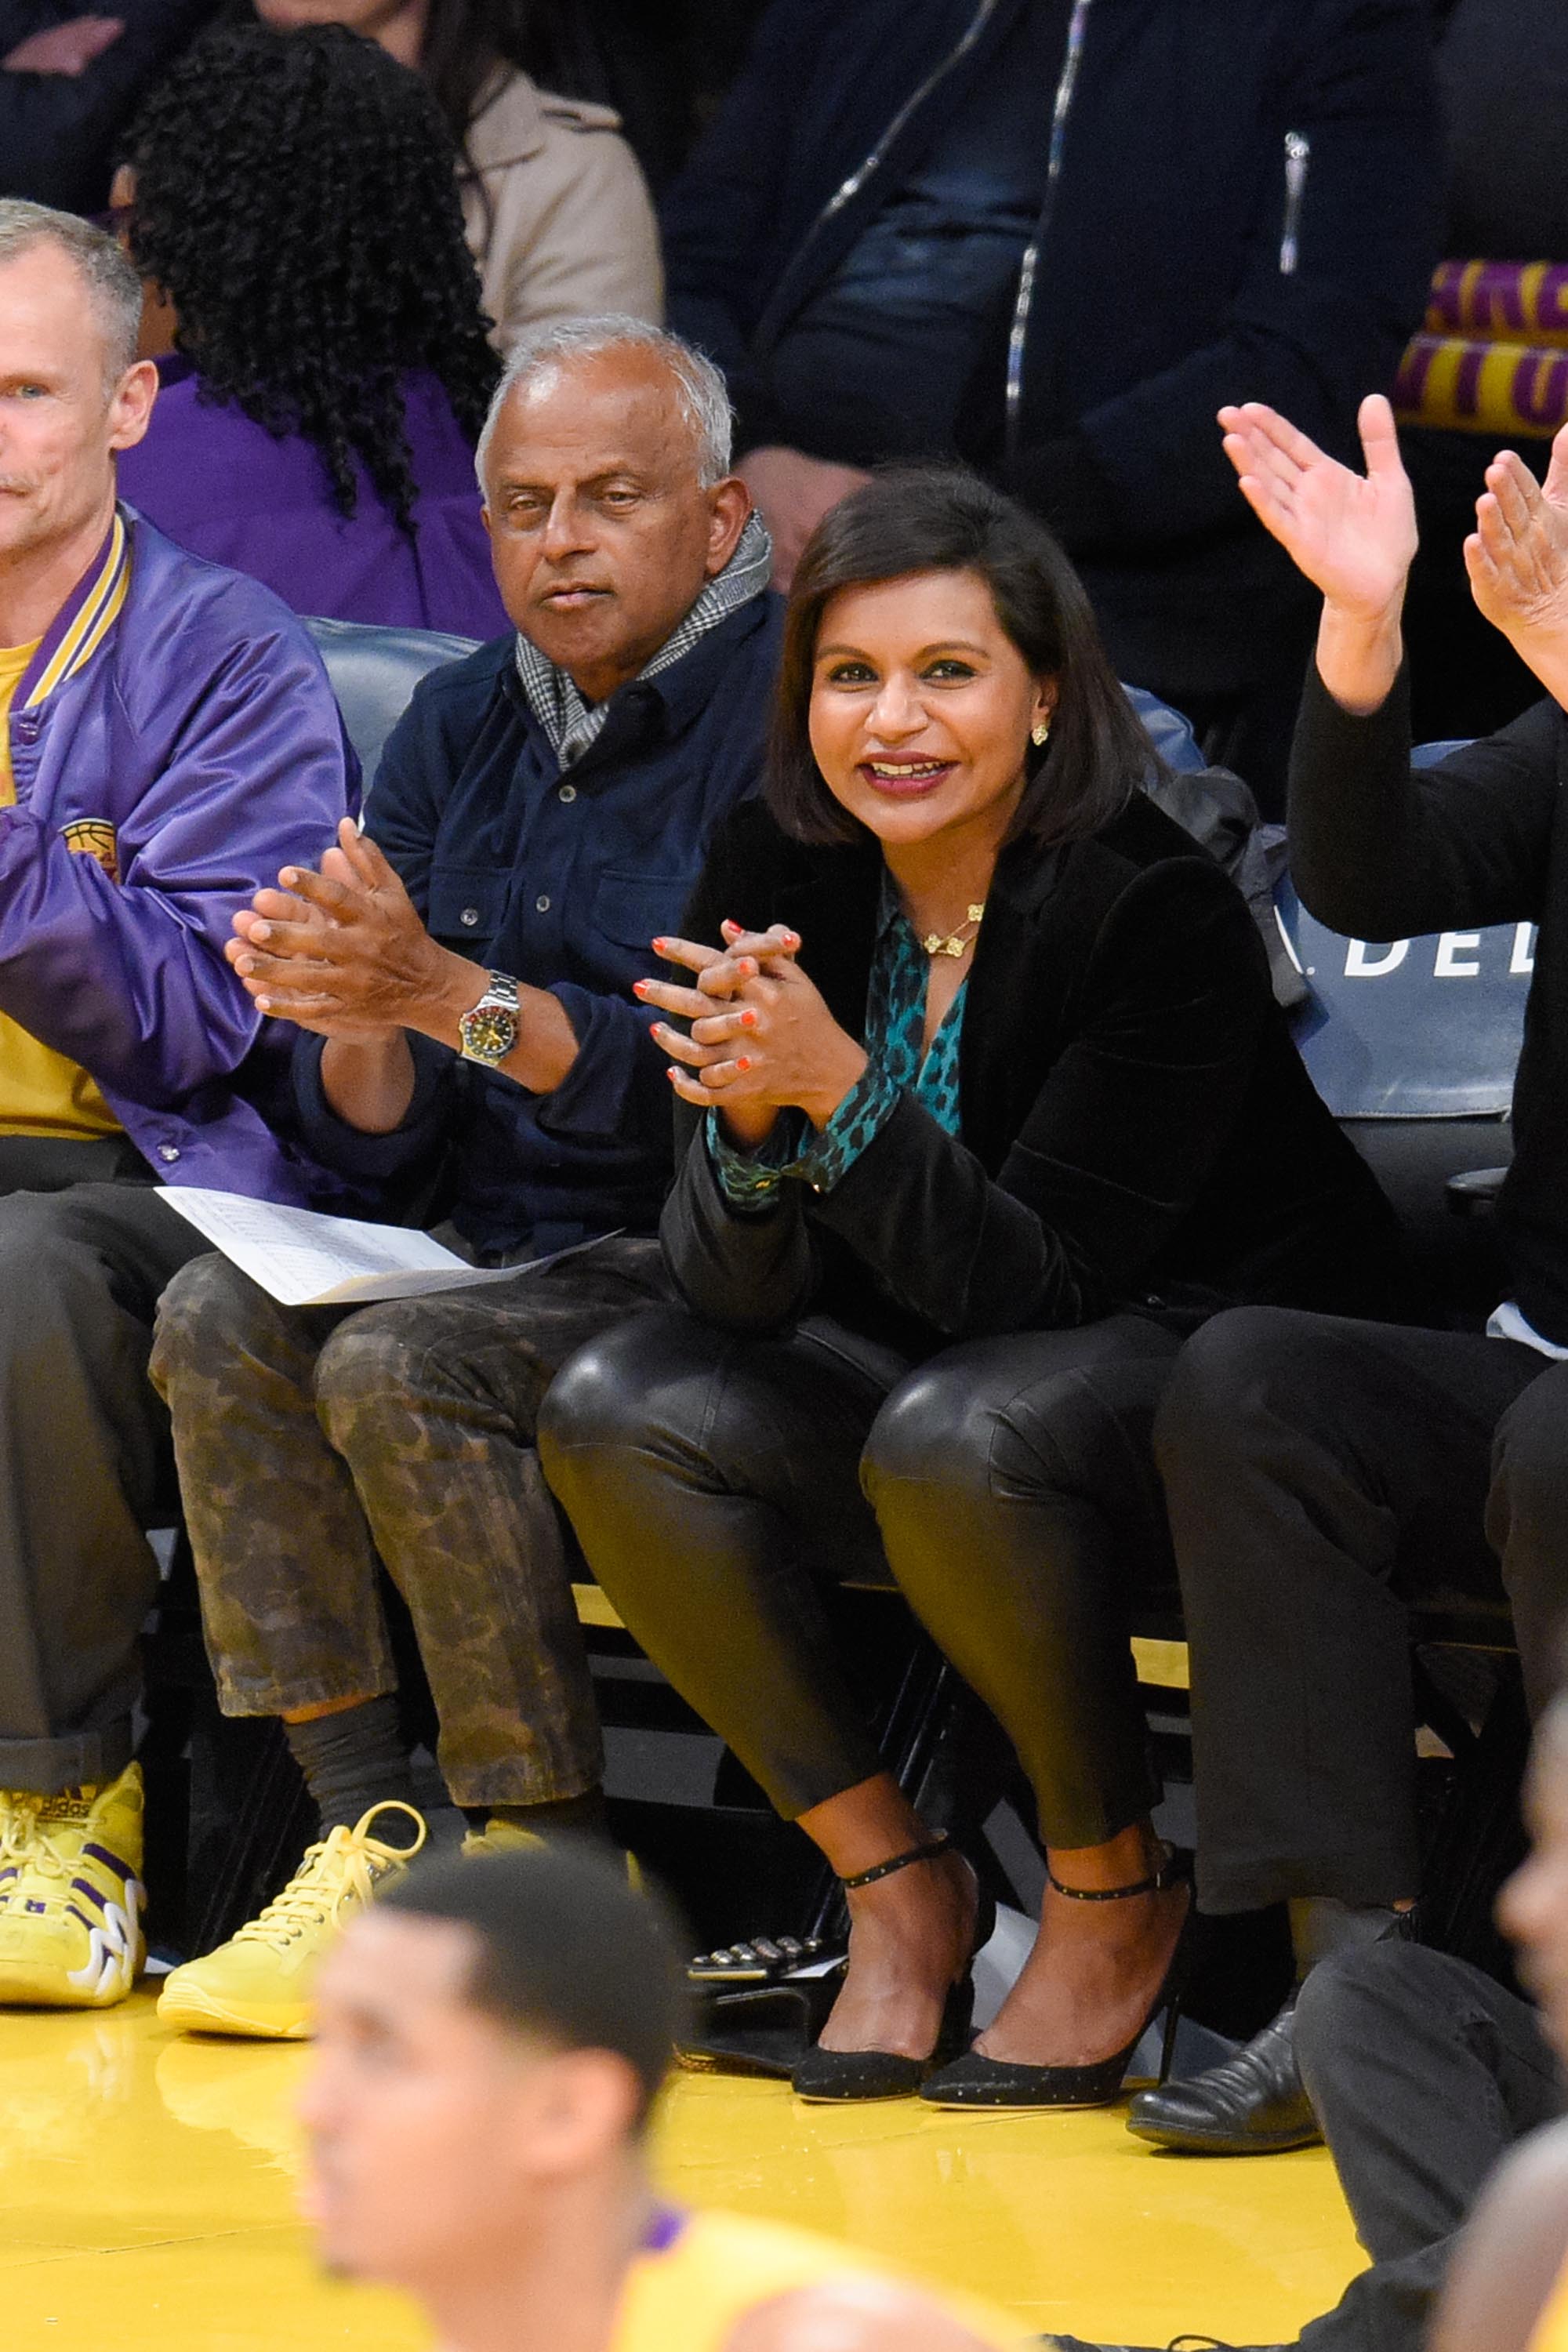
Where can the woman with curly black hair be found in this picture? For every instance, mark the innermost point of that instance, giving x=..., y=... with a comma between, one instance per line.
x=290, y=202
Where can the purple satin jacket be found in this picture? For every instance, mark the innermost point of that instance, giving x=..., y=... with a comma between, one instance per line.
x=225, y=488
x=174, y=742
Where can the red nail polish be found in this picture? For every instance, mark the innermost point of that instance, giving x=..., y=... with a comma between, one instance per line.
x=639, y=988
x=747, y=1020
x=659, y=947
x=654, y=1027
x=744, y=1063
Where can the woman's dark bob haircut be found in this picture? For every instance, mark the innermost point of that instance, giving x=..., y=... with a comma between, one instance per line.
x=915, y=519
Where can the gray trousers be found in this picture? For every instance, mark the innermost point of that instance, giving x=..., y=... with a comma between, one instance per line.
x=1424, y=2073
x=314, y=1444
x=86, y=1246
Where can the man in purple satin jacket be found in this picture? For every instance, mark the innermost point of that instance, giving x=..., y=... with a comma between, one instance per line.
x=167, y=737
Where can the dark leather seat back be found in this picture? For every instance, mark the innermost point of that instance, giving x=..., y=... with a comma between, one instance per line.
x=374, y=673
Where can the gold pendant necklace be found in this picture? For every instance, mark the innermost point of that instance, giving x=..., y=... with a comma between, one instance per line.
x=955, y=942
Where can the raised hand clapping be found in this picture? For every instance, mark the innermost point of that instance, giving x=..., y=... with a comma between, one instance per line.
x=1353, y=535
x=1517, y=556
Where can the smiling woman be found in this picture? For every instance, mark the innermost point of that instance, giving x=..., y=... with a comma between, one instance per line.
x=991, y=1103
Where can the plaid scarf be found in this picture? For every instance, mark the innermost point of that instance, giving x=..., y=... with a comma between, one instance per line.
x=573, y=724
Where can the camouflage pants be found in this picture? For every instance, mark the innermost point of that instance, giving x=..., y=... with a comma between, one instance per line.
x=313, y=1444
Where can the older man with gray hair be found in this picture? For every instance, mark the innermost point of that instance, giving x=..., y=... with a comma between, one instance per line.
x=463, y=977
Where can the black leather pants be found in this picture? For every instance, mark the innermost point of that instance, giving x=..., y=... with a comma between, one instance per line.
x=716, y=1481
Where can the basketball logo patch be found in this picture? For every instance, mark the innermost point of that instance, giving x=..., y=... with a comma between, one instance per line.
x=94, y=836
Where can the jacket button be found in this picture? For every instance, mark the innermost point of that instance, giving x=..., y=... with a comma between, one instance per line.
x=568, y=794
x=542, y=904
x=168, y=1151
x=468, y=917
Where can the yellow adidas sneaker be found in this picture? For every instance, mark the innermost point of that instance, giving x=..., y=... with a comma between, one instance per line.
x=71, y=1896
x=258, y=1984
x=499, y=1837
x=509, y=1837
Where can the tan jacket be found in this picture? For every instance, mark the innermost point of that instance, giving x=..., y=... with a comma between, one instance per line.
x=571, y=225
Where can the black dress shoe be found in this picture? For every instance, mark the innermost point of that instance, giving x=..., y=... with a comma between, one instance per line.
x=1252, y=2105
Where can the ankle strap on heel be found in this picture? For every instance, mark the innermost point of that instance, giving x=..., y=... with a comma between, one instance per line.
x=1173, y=1872
x=936, y=1846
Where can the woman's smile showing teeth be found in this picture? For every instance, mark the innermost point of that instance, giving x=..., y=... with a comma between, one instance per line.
x=905, y=775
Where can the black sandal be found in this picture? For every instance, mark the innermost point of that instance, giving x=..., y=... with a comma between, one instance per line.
x=978, y=2081
x=845, y=2075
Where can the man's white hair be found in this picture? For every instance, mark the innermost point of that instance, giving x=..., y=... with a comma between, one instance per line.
x=699, y=390
x=112, y=285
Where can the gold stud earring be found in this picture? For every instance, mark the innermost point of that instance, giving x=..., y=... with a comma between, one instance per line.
x=1039, y=734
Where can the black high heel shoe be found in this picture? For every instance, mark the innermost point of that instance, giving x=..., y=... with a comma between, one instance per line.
x=978, y=2081
x=845, y=2074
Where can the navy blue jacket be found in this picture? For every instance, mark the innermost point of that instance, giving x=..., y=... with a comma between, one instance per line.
x=1158, y=293
x=562, y=879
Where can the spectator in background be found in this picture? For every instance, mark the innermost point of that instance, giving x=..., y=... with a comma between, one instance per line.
x=68, y=83
x=1055, y=244
x=558, y=214
x=315, y=314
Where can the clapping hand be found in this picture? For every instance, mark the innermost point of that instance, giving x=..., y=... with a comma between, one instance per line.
x=1517, y=556
x=1353, y=535
x=342, y=951
x=761, y=1038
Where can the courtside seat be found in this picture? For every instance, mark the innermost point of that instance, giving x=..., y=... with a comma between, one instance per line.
x=374, y=672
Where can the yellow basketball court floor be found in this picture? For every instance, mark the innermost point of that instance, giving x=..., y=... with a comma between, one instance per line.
x=147, y=2190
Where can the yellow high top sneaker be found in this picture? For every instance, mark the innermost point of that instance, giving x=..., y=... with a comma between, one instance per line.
x=259, y=1983
x=71, y=1896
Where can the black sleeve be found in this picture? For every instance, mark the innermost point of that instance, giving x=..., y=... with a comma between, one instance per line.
x=1382, y=851
x=748, y=1272
x=1116, y=1148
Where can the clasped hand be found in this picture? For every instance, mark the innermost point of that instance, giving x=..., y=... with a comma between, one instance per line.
x=761, y=1039
x=342, y=951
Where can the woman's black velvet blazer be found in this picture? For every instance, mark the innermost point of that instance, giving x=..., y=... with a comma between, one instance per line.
x=1137, y=1127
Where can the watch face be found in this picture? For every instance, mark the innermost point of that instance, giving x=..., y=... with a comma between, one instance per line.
x=490, y=1032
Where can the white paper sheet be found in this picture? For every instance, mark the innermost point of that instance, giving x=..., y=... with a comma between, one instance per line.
x=305, y=1259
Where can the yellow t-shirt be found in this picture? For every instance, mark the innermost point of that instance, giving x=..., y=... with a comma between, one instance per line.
x=1551, y=2333
x=686, y=2295
x=41, y=1092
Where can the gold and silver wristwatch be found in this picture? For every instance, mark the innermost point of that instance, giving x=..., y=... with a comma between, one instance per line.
x=490, y=1029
